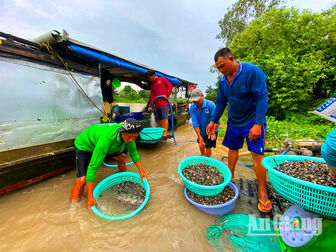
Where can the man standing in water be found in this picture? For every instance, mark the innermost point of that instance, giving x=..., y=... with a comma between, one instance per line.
x=160, y=86
x=94, y=143
x=244, y=88
x=201, y=113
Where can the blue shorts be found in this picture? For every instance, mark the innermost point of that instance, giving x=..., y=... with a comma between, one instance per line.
x=234, y=138
x=162, y=113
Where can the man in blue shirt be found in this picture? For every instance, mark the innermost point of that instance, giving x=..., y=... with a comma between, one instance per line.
x=328, y=151
x=201, y=113
x=243, y=87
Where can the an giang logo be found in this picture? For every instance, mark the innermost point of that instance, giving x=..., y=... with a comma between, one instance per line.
x=128, y=126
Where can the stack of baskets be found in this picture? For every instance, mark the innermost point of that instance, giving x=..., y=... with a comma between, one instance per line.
x=204, y=190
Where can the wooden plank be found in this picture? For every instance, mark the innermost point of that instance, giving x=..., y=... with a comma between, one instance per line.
x=32, y=170
x=40, y=56
x=8, y=165
x=26, y=152
x=24, y=41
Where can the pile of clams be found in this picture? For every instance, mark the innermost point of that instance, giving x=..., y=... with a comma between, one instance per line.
x=311, y=171
x=203, y=174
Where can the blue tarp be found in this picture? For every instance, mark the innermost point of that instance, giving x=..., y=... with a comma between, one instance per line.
x=117, y=62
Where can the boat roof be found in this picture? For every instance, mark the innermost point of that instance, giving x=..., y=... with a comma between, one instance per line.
x=92, y=57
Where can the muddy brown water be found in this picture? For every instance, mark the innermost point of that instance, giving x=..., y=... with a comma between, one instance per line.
x=40, y=217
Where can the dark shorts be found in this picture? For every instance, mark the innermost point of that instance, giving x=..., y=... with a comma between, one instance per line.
x=83, y=159
x=234, y=138
x=162, y=113
x=208, y=142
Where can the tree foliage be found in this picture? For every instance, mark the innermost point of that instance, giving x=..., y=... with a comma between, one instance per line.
x=241, y=14
x=144, y=94
x=211, y=93
x=297, y=51
x=129, y=93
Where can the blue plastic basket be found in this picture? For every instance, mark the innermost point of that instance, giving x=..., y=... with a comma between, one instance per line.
x=216, y=209
x=313, y=197
x=151, y=134
x=123, y=109
x=115, y=165
x=115, y=179
x=204, y=189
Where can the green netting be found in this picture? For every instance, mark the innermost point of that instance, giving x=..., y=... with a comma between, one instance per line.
x=245, y=233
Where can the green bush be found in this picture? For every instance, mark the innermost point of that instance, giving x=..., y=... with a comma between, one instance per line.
x=296, y=126
x=127, y=100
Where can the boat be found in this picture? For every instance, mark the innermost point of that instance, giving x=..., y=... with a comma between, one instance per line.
x=54, y=87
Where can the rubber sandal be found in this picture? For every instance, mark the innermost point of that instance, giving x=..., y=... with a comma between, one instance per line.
x=264, y=203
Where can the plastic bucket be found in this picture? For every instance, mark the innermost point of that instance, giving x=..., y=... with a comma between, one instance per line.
x=116, y=83
x=151, y=134
x=123, y=109
x=222, y=209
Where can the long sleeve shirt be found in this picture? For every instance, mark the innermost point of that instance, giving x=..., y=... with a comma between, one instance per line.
x=247, y=96
x=328, y=149
x=102, y=139
x=160, y=87
x=201, y=118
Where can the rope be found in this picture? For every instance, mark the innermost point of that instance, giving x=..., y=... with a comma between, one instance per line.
x=51, y=51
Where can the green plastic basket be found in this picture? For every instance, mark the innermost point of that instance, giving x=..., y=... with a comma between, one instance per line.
x=313, y=197
x=203, y=189
x=115, y=179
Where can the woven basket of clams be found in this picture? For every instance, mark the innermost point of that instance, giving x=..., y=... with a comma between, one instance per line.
x=303, y=180
x=204, y=176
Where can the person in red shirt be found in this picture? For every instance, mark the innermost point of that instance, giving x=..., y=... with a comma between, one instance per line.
x=160, y=86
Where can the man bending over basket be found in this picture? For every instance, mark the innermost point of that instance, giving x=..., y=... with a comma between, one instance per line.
x=97, y=141
x=201, y=113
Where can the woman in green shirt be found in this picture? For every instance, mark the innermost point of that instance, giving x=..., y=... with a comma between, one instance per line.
x=97, y=141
